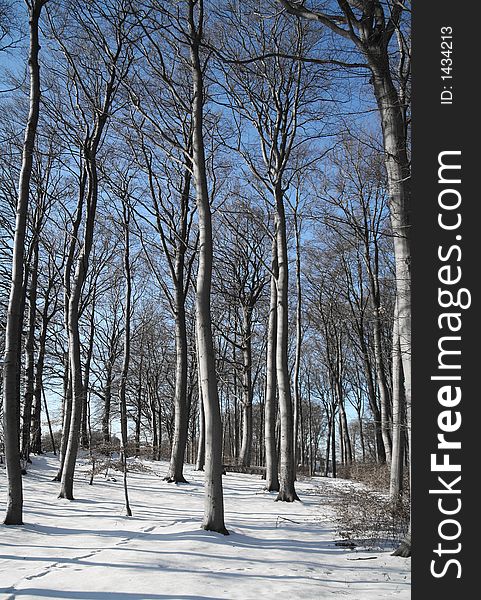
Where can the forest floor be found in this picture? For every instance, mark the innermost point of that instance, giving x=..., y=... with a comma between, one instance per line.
x=88, y=549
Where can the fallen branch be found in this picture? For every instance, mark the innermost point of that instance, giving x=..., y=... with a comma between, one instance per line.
x=286, y=519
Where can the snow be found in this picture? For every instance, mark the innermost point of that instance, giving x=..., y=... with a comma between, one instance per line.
x=88, y=550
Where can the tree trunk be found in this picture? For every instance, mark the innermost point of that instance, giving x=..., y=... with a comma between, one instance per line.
x=287, y=472
x=66, y=416
x=376, y=414
x=395, y=489
x=246, y=447
x=138, y=422
x=177, y=266
x=107, y=404
x=399, y=185
x=125, y=365
x=328, y=446
x=30, y=348
x=214, y=501
x=181, y=415
x=199, y=465
x=78, y=390
x=361, y=436
x=344, y=429
x=13, y=333
x=70, y=457
x=333, y=444
x=381, y=382
x=36, y=428
x=52, y=439
x=270, y=404
x=85, y=425
x=297, y=362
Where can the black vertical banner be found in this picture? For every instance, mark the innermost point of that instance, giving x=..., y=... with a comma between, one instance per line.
x=446, y=325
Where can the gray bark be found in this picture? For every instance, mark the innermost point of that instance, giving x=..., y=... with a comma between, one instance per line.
x=395, y=488
x=36, y=428
x=287, y=471
x=181, y=414
x=199, y=465
x=78, y=390
x=90, y=149
x=371, y=36
x=270, y=404
x=66, y=415
x=246, y=446
x=85, y=425
x=107, y=398
x=376, y=414
x=30, y=348
x=13, y=333
x=297, y=362
x=126, y=358
x=214, y=501
x=372, y=269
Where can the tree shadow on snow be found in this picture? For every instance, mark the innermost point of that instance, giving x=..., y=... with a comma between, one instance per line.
x=81, y=595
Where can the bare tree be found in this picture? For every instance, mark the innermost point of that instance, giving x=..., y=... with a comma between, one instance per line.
x=127, y=326
x=96, y=84
x=371, y=26
x=240, y=280
x=11, y=377
x=214, y=501
x=270, y=405
x=273, y=96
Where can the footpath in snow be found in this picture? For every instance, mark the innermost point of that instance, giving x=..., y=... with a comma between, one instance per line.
x=88, y=549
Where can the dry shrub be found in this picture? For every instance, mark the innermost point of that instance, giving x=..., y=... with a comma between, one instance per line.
x=370, y=519
x=373, y=475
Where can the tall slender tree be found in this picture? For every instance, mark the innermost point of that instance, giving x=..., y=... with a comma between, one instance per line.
x=371, y=26
x=214, y=500
x=13, y=334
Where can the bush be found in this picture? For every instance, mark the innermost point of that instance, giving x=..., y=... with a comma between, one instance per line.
x=373, y=475
x=368, y=518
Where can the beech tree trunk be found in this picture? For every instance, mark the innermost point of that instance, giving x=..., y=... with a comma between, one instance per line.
x=371, y=36
x=85, y=425
x=270, y=404
x=297, y=362
x=181, y=415
x=372, y=269
x=287, y=471
x=36, y=428
x=344, y=431
x=30, y=348
x=246, y=446
x=13, y=333
x=199, y=465
x=126, y=359
x=373, y=405
x=78, y=390
x=89, y=175
x=107, y=394
x=395, y=488
x=214, y=501
x=70, y=457
x=66, y=415
x=399, y=185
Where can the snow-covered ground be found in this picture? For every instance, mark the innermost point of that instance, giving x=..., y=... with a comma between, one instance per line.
x=88, y=549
